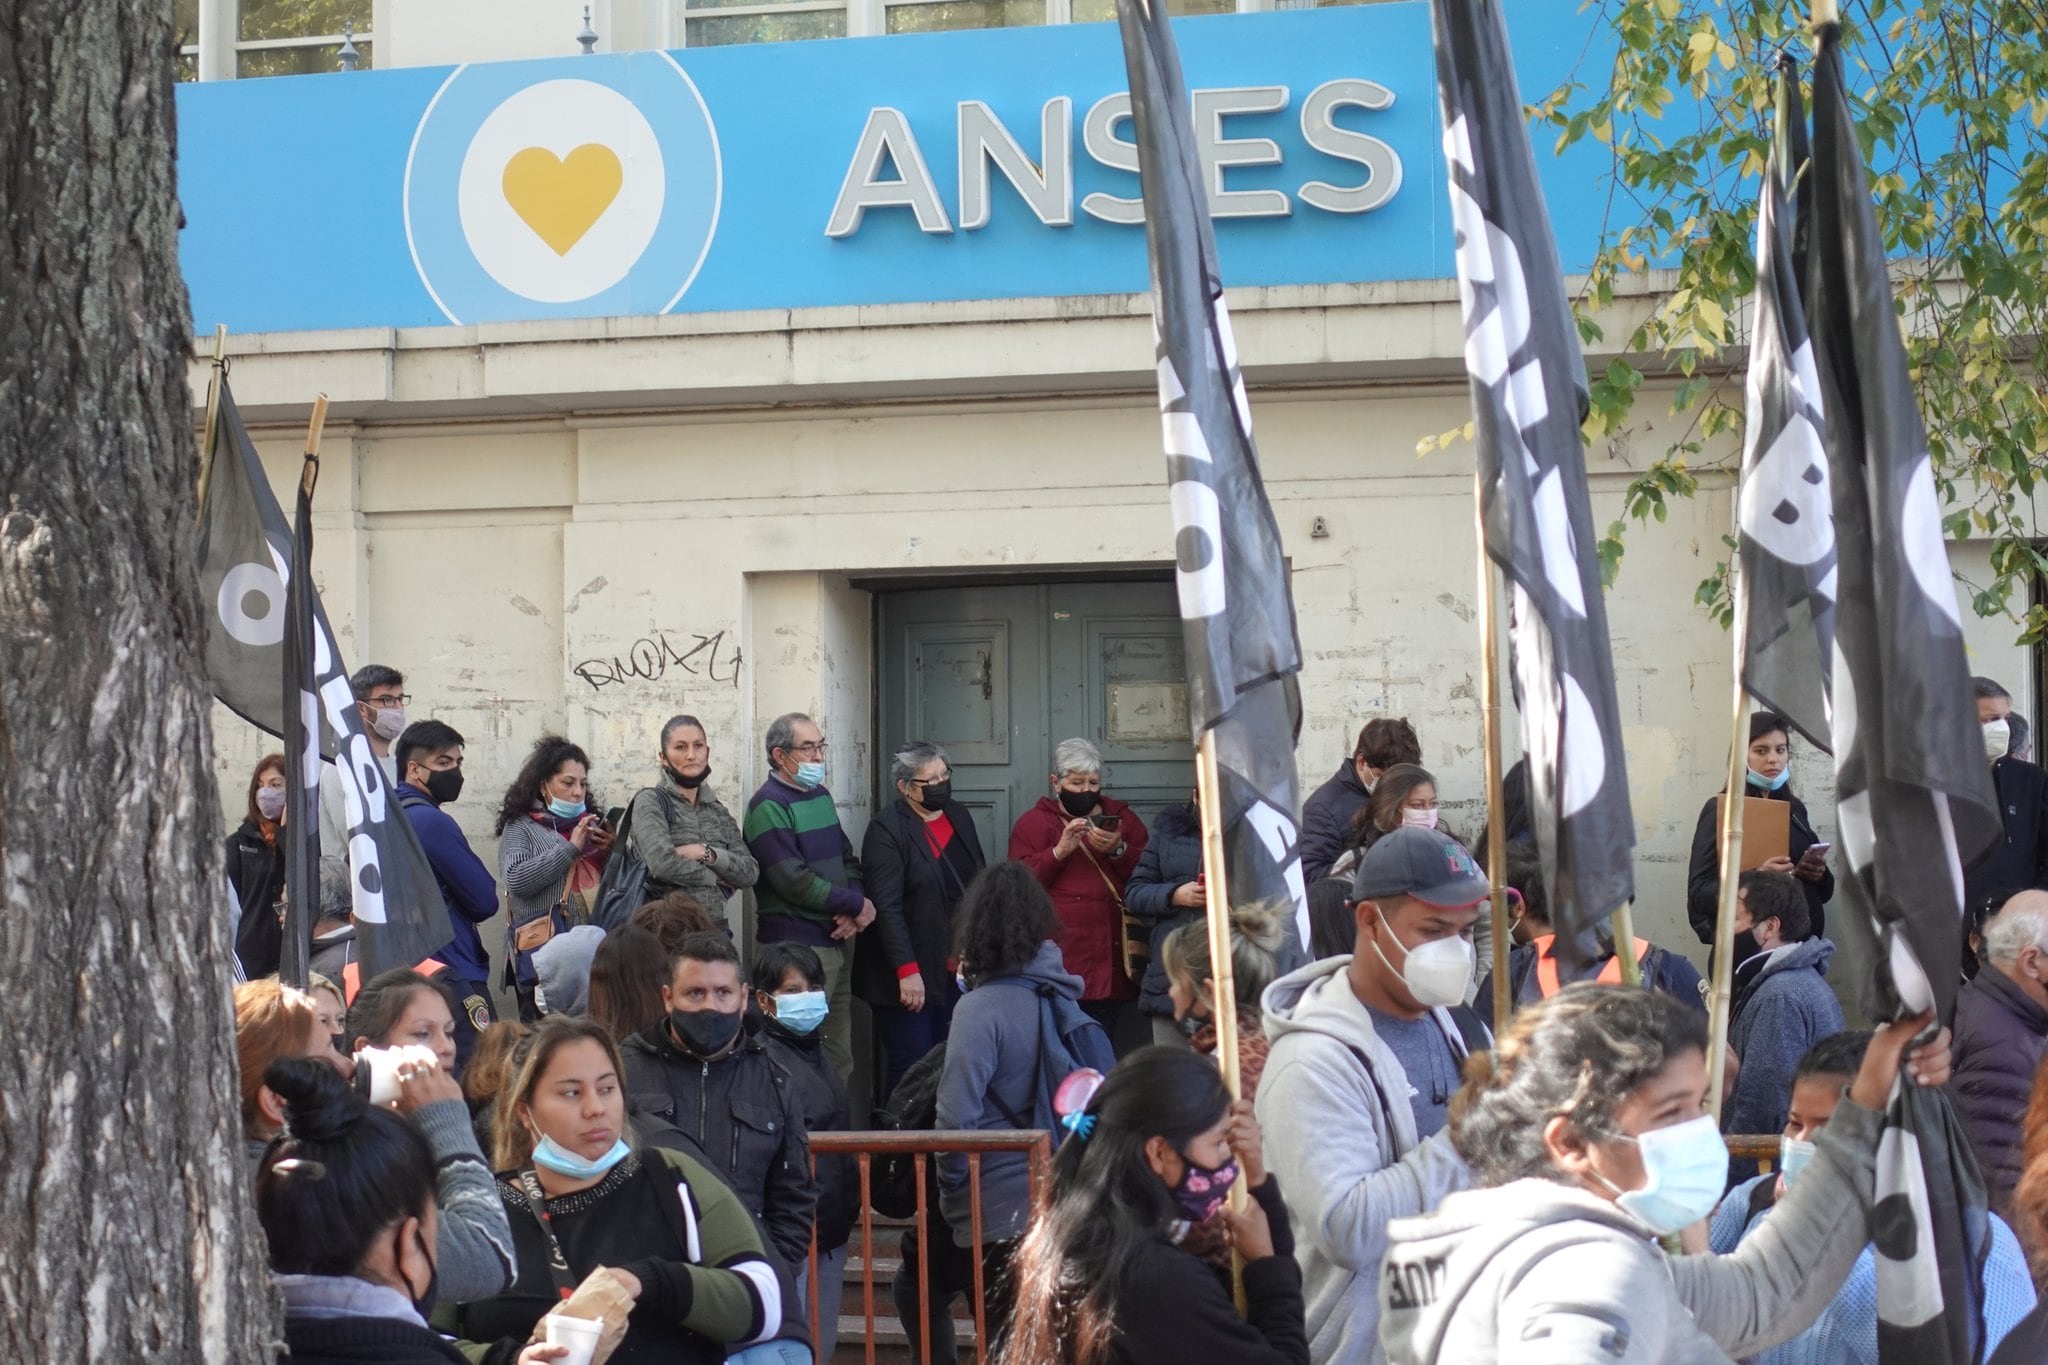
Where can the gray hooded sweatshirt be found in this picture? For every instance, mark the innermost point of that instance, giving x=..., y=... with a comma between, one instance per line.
x=1546, y=1274
x=1342, y=1140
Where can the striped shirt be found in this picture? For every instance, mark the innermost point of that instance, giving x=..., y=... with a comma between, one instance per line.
x=808, y=872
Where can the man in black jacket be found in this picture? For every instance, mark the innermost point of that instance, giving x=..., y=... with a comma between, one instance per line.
x=1327, y=814
x=2020, y=860
x=699, y=1071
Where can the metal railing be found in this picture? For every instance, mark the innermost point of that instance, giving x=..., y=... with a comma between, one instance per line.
x=1035, y=1144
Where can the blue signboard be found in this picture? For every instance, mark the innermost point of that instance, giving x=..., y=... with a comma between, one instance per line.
x=991, y=164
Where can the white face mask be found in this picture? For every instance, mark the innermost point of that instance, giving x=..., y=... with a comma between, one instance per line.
x=1418, y=819
x=1997, y=739
x=1436, y=973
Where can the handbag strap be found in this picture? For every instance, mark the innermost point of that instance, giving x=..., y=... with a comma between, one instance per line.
x=537, y=1204
x=1114, y=894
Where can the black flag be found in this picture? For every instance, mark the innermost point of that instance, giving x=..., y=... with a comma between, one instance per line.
x=245, y=556
x=1785, y=510
x=1237, y=615
x=1529, y=398
x=1914, y=795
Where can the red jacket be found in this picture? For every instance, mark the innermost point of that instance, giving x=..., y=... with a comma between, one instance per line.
x=1091, y=927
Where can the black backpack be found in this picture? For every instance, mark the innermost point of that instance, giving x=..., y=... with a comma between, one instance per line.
x=913, y=1107
x=623, y=888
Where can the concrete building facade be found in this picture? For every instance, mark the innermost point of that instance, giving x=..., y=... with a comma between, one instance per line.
x=586, y=524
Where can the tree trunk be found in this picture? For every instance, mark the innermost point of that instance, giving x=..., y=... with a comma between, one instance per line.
x=127, y=1230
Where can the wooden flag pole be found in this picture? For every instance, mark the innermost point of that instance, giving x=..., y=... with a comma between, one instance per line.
x=1489, y=720
x=1721, y=994
x=309, y=473
x=213, y=388
x=1223, y=997
x=1825, y=12
x=1222, y=972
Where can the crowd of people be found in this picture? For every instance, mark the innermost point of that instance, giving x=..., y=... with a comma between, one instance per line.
x=630, y=1144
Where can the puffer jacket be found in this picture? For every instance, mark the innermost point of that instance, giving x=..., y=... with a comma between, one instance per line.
x=2000, y=1035
x=1173, y=858
x=1326, y=820
x=744, y=1115
x=659, y=827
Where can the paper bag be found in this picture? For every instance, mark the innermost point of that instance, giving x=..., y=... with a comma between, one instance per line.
x=1766, y=829
x=601, y=1298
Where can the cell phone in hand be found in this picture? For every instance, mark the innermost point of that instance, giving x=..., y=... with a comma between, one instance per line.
x=1104, y=820
x=1816, y=852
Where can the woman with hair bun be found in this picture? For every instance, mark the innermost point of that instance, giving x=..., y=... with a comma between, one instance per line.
x=1588, y=1137
x=1103, y=1276
x=1255, y=939
x=401, y=1008
x=346, y=1200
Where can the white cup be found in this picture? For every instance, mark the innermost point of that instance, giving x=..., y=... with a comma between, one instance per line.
x=578, y=1334
x=384, y=1063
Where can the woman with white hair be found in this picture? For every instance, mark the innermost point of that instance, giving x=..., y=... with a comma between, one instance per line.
x=919, y=854
x=1083, y=846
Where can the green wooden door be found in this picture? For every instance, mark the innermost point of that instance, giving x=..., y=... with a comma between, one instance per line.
x=1000, y=675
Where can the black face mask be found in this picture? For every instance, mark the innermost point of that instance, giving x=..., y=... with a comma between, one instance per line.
x=938, y=793
x=424, y=1305
x=1744, y=946
x=1078, y=804
x=705, y=1032
x=340, y=1041
x=688, y=783
x=444, y=785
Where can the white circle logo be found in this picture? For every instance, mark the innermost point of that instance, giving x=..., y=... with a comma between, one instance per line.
x=573, y=187
x=561, y=190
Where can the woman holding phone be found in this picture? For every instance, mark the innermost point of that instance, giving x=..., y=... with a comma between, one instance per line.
x=1083, y=847
x=552, y=846
x=1769, y=777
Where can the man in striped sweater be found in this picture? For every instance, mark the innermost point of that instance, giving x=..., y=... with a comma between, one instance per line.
x=810, y=890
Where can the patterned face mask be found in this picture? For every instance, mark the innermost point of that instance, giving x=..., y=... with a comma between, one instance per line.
x=1202, y=1189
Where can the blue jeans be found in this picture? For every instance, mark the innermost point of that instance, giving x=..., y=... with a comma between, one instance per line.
x=772, y=1353
x=831, y=1287
x=908, y=1035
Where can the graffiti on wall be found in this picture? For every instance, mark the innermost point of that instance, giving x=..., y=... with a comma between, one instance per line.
x=652, y=658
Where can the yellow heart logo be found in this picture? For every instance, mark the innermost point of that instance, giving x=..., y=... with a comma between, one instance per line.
x=561, y=198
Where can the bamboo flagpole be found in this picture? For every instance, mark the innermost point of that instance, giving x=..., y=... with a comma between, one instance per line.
x=309, y=474
x=212, y=433
x=1721, y=994
x=1489, y=720
x=1223, y=993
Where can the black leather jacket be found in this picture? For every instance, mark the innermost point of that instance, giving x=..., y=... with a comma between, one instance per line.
x=744, y=1115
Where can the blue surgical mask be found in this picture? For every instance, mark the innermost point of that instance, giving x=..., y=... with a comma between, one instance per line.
x=1685, y=1168
x=810, y=774
x=1770, y=784
x=564, y=810
x=1793, y=1156
x=553, y=1156
x=800, y=1013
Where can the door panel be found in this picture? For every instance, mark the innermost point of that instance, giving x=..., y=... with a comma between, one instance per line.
x=1120, y=678
x=964, y=668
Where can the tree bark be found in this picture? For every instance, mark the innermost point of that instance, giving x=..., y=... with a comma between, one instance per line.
x=128, y=1231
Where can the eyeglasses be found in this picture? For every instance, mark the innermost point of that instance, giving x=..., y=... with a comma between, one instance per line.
x=946, y=776
x=403, y=698
x=816, y=750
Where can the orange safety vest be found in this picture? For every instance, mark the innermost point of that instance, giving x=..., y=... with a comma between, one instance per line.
x=1546, y=965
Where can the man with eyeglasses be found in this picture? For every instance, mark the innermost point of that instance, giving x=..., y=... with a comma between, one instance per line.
x=380, y=700
x=810, y=889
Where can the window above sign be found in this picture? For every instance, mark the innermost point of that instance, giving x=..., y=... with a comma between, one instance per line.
x=227, y=39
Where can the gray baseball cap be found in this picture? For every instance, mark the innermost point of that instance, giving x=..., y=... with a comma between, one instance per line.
x=1432, y=867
